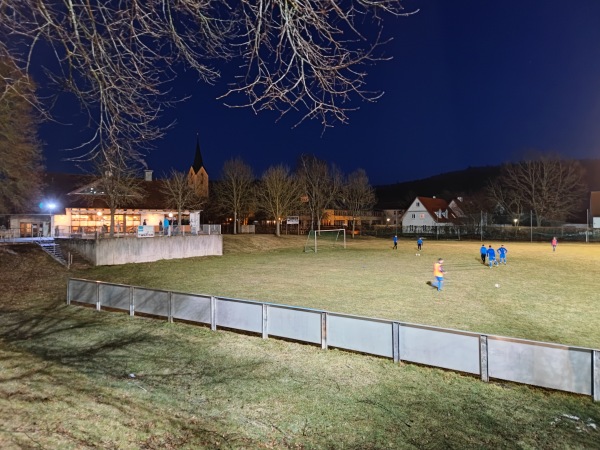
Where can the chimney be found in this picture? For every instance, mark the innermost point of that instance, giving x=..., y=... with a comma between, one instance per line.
x=148, y=175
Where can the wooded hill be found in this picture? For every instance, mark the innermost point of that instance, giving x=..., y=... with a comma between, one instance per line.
x=459, y=183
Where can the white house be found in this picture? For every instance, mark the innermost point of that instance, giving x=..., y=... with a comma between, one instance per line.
x=595, y=209
x=425, y=214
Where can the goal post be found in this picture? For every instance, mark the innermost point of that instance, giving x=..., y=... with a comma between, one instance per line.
x=325, y=239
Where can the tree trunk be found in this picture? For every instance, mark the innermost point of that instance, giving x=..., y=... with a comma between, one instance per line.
x=112, y=223
x=235, y=222
x=277, y=228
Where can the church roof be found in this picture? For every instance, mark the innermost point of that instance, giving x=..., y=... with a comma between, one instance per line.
x=198, y=164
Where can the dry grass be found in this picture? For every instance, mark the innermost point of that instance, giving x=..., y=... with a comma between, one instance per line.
x=542, y=295
x=66, y=372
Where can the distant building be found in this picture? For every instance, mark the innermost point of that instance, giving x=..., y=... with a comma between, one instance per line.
x=344, y=218
x=72, y=204
x=595, y=209
x=425, y=214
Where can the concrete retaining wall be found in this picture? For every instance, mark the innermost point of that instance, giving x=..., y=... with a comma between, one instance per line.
x=107, y=252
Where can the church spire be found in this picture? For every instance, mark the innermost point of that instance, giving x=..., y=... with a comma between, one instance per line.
x=198, y=164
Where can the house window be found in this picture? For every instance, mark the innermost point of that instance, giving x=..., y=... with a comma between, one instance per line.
x=418, y=204
x=421, y=216
x=413, y=216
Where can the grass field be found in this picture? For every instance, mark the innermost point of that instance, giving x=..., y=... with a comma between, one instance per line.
x=74, y=378
x=542, y=295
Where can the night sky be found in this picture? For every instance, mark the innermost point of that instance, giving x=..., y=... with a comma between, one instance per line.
x=471, y=83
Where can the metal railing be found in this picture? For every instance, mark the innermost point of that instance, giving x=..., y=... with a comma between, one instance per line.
x=64, y=231
x=554, y=366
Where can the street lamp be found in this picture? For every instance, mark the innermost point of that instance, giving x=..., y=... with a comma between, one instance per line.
x=515, y=220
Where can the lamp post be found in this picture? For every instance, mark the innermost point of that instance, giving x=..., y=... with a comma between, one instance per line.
x=51, y=207
x=515, y=220
x=170, y=223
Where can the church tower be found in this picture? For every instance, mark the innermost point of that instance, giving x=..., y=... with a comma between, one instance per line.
x=197, y=176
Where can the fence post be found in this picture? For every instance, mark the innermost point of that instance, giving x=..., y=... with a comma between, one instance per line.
x=396, y=341
x=324, y=323
x=131, y=300
x=265, y=317
x=69, y=292
x=213, y=313
x=170, y=307
x=483, y=358
x=98, y=307
x=596, y=374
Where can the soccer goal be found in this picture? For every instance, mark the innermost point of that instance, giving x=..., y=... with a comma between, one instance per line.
x=325, y=239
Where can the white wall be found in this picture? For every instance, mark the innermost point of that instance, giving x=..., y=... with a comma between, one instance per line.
x=107, y=252
x=422, y=216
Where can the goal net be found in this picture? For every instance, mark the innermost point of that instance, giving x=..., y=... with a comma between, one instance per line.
x=320, y=239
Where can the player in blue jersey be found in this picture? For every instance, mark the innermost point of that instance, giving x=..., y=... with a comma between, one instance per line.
x=502, y=251
x=491, y=256
x=483, y=253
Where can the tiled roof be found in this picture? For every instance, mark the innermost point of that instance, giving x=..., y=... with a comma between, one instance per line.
x=62, y=187
x=433, y=205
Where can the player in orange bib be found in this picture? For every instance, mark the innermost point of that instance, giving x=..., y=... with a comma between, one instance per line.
x=438, y=273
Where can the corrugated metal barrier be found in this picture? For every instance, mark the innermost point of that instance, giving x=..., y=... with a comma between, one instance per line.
x=547, y=365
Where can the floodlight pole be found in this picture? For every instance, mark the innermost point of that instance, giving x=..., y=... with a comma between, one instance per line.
x=587, y=226
x=531, y=225
x=481, y=225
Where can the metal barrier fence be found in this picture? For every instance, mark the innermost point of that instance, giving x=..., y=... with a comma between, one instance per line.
x=547, y=365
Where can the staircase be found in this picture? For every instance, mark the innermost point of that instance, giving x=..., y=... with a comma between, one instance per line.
x=53, y=249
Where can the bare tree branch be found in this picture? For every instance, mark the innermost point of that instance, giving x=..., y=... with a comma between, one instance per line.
x=234, y=190
x=20, y=150
x=117, y=187
x=180, y=193
x=357, y=195
x=320, y=184
x=278, y=193
x=550, y=186
x=119, y=58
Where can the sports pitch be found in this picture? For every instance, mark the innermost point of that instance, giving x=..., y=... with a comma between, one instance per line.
x=75, y=378
x=542, y=295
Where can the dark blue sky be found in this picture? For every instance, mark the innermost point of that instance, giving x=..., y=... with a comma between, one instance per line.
x=471, y=83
